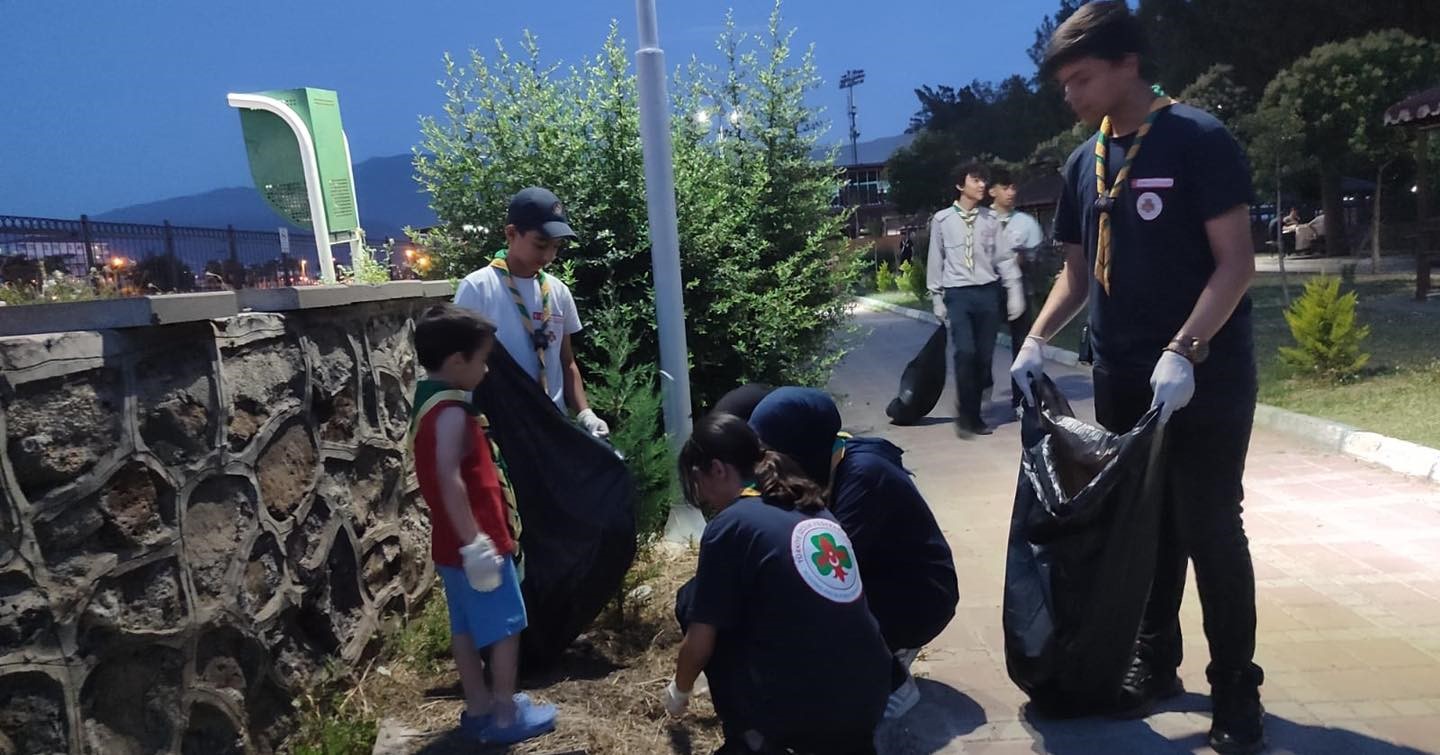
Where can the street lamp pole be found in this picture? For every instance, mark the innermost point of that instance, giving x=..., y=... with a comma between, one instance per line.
x=664, y=229
x=848, y=81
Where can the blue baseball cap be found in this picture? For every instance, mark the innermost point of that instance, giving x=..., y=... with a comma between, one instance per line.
x=537, y=209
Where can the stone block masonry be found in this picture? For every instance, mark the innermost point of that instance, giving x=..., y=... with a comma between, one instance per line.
x=196, y=517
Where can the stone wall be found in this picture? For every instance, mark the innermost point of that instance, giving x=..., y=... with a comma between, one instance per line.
x=197, y=516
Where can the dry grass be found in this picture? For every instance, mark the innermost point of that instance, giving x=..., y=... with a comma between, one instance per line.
x=608, y=686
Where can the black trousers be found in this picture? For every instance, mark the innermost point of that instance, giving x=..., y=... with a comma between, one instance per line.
x=974, y=323
x=1019, y=330
x=1206, y=444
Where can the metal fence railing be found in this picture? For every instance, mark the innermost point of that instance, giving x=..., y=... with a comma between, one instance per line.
x=151, y=258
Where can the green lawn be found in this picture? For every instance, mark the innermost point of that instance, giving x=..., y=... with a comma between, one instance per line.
x=900, y=299
x=1399, y=394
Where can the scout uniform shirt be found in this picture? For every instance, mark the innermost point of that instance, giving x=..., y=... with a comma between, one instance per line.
x=798, y=652
x=1189, y=170
x=486, y=292
x=967, y=253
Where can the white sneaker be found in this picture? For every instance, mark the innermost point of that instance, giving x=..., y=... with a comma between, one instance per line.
x=902, y=699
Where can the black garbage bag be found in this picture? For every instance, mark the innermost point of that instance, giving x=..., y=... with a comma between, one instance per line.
x=577, y=509
x=921, y=384
x=1081, y=554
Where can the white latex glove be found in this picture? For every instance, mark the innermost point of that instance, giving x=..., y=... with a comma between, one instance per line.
x=1015, y=302
x=939, y=306
x=676, y=701
x=1029, y=365
x=1173, y=384
x=592, y=423
x=482, y=564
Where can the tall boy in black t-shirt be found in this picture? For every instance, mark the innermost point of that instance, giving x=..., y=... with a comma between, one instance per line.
x=1154, y=220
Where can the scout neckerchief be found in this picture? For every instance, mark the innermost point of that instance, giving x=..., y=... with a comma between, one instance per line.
x=968, y=216
x=431, y=394
x=540, y=337
x=1105, y=198
x=750, y=490
x=837, y=452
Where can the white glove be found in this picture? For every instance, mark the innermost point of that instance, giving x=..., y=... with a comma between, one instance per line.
x=482, y=564
x=1015, y=302
x=676, y=701
x=1029, y=365
x=939, y=306
x=592, y=423
x=1173, y=384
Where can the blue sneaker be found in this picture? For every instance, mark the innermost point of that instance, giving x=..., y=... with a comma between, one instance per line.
x=531, y=720
x=475, y=726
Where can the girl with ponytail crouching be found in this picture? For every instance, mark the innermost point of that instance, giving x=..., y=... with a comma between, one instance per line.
x=776, y=615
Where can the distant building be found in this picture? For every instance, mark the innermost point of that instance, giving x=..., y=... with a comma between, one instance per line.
x=867, y=188
x=1039, y=197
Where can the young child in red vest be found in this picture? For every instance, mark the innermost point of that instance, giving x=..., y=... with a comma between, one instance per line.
x=475, y=528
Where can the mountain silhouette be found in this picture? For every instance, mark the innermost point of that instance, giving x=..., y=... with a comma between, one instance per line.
x=385, y=188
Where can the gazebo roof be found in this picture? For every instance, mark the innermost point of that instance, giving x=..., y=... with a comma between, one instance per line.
x=1421, y=109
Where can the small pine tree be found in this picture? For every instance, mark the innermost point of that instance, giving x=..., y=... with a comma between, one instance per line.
x=1328, y=339
x=912, y=279
x=884, y=279
x=625, y=392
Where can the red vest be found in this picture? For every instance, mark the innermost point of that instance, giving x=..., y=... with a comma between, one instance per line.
x=491, y=501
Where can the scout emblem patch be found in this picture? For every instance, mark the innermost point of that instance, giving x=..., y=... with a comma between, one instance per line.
x=825, y=560
x=1149, y=205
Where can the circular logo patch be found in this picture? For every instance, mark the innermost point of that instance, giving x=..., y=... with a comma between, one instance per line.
x=1149, y=205
x=826, y=560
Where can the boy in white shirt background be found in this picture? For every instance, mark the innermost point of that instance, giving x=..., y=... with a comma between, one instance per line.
x=533, y=311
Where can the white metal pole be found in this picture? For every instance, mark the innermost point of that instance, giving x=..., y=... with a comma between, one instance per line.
x=686, y=523
x=664, y=229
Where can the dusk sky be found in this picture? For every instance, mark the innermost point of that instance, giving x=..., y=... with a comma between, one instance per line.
x=115, y=102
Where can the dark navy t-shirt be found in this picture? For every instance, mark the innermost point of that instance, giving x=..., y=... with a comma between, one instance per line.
x=1189, y=170
x=909, y=570
x=785, y=593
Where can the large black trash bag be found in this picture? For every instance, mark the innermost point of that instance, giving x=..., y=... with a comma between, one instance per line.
x=1081, y=555
x=922, y=382
x=577, y=509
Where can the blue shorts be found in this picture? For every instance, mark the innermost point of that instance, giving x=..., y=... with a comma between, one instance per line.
x=485, y=617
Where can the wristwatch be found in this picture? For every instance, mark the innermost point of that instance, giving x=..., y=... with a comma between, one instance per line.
x=1194, y=349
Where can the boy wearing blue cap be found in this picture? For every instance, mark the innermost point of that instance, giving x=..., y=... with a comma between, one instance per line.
x=533, y=311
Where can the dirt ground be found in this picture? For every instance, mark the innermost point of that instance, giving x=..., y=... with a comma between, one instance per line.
x=608, y=686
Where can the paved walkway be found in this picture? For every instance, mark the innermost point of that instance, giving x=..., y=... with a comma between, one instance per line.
x=1347, y=559
x=1397, y=263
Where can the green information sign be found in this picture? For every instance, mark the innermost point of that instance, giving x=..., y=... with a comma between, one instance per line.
x=276, y=165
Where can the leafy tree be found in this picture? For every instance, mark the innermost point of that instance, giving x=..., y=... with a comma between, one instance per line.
x=1217, y=92
x=1047, y=28
x=765, y=273
x=1051, y=154
x=922, y=175
x=1260, y=39
x=1334, y=98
